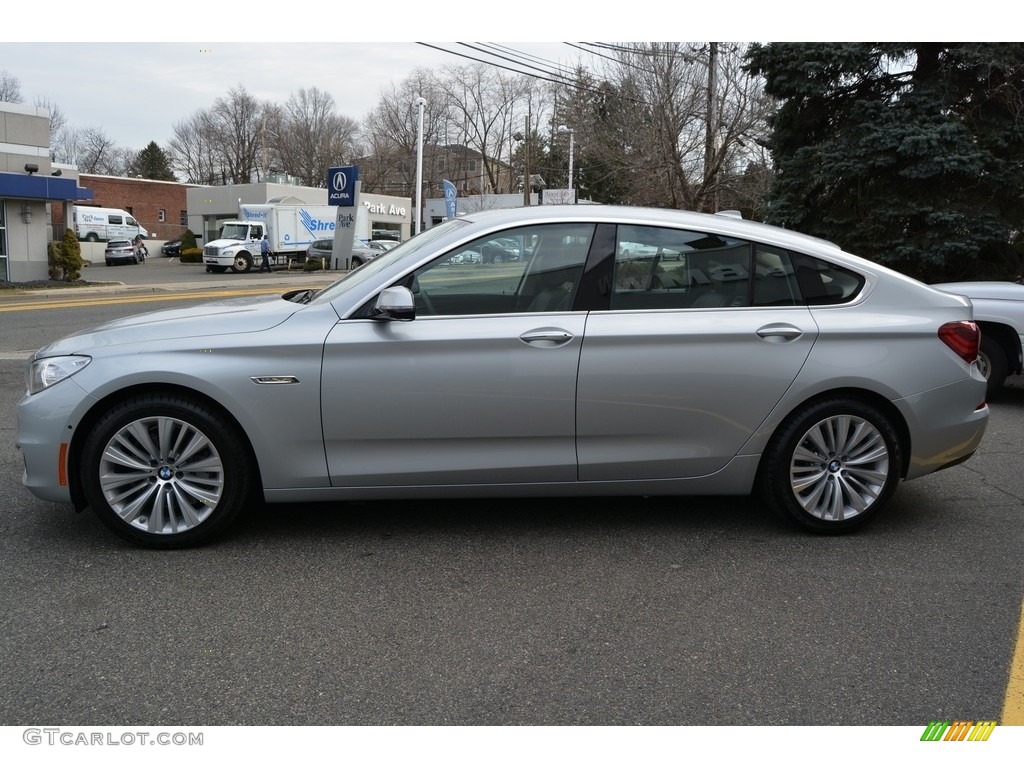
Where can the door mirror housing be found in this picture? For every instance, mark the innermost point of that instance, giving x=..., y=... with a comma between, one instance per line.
x=395, y=303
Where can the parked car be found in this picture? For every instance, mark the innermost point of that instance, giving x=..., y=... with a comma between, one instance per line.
x=763, y=361
x=122, y=252
x=380, y=245
x=999, y=312
x=171, y=247
x=361, y=252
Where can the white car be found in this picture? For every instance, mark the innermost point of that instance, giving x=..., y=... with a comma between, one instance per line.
x=999, y=312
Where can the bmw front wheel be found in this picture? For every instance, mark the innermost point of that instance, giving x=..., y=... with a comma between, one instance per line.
x=166, y=471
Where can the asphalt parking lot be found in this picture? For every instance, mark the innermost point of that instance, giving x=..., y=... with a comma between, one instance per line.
x=557, y=612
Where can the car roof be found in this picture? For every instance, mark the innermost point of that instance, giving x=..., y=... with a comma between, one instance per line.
x=724, y=224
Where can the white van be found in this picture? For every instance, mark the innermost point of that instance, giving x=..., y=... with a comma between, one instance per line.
x=95, y=224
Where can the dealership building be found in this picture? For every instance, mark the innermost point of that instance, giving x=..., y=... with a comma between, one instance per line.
x=209, y=207
x=37, y=197
x=31, y=187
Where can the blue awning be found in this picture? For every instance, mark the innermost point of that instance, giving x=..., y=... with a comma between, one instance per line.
x=34, y=187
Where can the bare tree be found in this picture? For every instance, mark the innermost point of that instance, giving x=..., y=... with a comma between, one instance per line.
x=58, y=120
x=390, y=134
x=486, y=108
x=668, y=124
x=10, y=87
x=93, y=152
x=309, y=135
x=191, y=151
x=235, y=123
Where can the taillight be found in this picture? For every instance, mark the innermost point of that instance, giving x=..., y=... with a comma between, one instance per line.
x=963, y=337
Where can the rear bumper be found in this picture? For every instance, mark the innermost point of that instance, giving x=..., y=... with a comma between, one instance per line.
x=946, y=424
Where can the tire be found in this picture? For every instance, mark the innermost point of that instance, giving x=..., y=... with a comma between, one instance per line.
x=92, y=238
x=218, y=269
x=243, y=263
x=148, y=494
x=993, y=365
x=356, y=262
x=110, y=263
x=831, y=466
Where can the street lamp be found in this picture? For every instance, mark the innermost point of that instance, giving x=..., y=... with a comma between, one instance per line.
x=567, y=129
x=419, y=103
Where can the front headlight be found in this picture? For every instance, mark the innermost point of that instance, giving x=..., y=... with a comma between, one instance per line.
x=47, y=371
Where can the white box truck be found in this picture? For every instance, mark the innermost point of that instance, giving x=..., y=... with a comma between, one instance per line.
x=94, y=224
x=291, y=228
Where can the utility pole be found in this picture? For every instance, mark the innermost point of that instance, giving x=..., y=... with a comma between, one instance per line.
x=527, y=185
x=709, y=138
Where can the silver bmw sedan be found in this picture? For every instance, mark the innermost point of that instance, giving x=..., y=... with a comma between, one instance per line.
x=625, y=351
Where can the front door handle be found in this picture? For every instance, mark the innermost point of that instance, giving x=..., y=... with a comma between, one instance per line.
x=777, y=332
x=549, y=337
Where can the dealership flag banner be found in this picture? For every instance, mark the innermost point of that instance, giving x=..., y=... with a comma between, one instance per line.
x=450, y=195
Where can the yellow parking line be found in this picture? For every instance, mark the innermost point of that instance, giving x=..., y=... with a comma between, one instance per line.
x=1013, y=704
x=85, y=302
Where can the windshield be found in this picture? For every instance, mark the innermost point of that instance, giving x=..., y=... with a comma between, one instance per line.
x=234, y=231
x=366, y=272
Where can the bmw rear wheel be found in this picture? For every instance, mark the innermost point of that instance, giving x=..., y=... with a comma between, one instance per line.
x=165, y=471
x=831, y=466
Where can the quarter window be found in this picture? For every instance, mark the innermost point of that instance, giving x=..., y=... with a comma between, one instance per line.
x=823, y=283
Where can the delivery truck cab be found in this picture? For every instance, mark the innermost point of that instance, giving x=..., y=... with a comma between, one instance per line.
x=96, y=224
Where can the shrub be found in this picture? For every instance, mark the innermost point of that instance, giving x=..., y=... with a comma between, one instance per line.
x=191, y=255
x=188, y=241
x=65, y=257
x=312, y=265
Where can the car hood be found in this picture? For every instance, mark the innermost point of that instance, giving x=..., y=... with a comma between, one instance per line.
x=985, y=289
x=243, y=315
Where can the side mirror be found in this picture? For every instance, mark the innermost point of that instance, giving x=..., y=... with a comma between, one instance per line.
x=396, y=303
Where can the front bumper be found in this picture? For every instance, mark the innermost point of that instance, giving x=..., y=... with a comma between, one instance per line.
x=46, y=424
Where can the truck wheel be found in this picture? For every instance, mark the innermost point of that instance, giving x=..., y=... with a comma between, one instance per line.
x=166, y=471
x=243, y=262
x=218, y=269
x=993, y=365
x=831, y=466
x=91, y=238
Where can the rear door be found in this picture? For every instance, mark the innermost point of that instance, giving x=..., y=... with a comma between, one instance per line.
x=682, y=368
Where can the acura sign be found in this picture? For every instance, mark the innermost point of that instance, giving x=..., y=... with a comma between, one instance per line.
x=341, y=185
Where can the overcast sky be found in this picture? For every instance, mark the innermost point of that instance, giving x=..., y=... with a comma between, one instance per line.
x=134, y=82
x=137, y=91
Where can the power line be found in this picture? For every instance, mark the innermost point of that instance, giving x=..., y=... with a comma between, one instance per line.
x=556, y=81
x=556, y=78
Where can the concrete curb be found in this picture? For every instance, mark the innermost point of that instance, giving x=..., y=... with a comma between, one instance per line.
x=220, y=282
